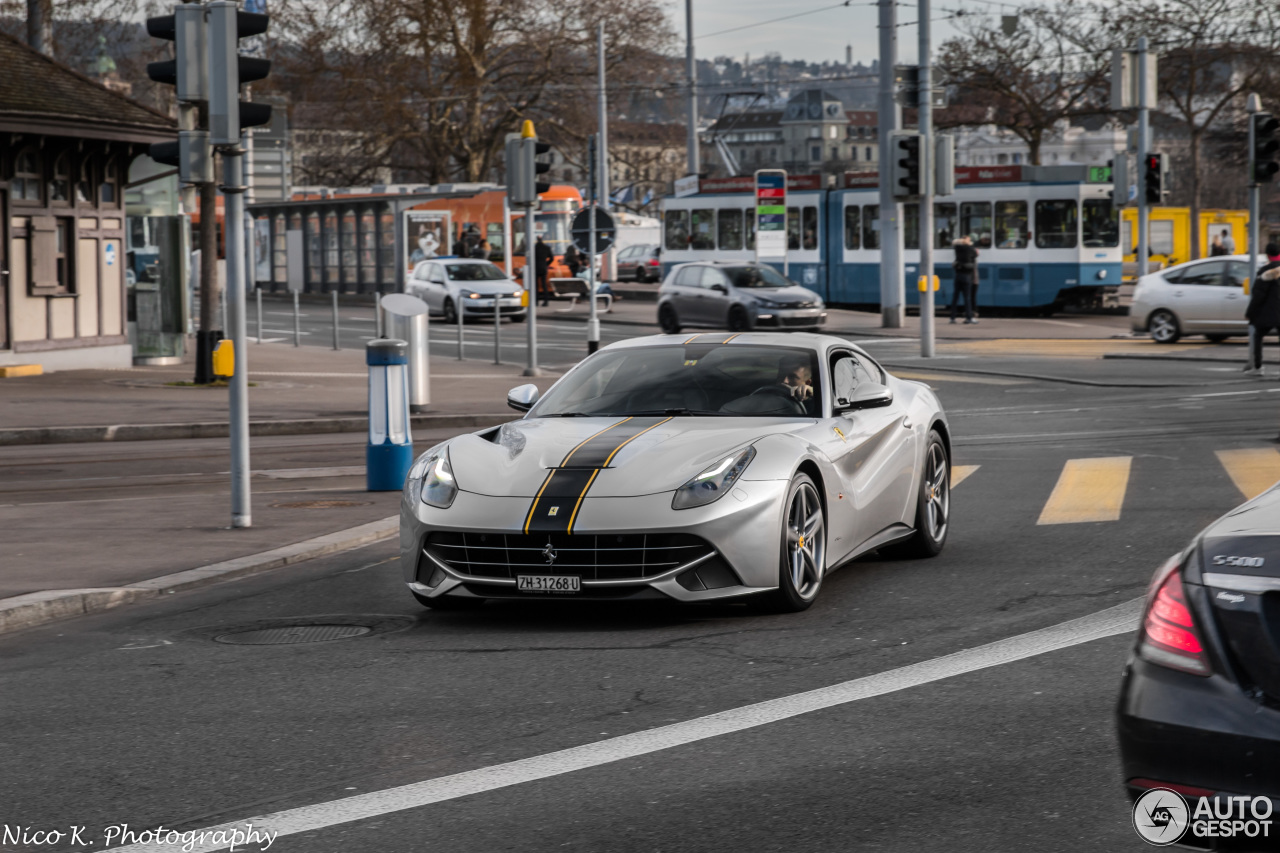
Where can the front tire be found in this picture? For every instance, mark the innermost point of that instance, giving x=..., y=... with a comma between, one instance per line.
x=1164, y=327
x=739, y=320
x=668, y=320
x=933, y=505
x=803, y=549
x=450, y=313
x=519, y=318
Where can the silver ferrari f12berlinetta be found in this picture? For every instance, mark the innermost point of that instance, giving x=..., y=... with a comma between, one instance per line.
x=689, y=467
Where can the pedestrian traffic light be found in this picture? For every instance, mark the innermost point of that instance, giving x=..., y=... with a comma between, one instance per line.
x=1265, y=147
x=1155, y=177
x=1119, y=180
x=906, y=172
x=228, y=71
x=188, y=73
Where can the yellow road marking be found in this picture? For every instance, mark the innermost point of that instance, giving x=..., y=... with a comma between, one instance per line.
x=1253, y=470
x=947, y=377
x=960, y=473
x=1088, y=490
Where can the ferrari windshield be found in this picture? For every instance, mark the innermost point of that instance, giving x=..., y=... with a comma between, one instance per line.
x=726, y=380
x=475, y=272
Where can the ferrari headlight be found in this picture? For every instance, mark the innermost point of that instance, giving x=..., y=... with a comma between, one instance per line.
x=712, y=483
x=432, y=479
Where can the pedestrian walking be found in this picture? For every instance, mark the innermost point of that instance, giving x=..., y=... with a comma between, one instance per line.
x=964, y=272
x=1228, y=243
x=1263, y=312
x=541, y=267
x=572, y=260
x=1216, y=248
x=481, y=250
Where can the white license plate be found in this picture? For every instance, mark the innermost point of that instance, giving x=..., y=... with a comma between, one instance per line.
x=548, y=583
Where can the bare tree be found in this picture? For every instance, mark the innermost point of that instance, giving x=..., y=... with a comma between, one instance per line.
x=1051, y=67
x=1212, y=54
x=437, y=84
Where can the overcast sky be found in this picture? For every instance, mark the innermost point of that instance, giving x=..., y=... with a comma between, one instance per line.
x=815, y=37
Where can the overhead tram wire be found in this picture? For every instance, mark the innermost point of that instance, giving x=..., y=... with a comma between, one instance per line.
x=843, y=5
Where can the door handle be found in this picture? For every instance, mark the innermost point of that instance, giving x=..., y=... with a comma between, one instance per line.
x=1177, y=293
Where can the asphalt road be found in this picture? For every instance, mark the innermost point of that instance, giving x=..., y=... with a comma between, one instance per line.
x=141, y=716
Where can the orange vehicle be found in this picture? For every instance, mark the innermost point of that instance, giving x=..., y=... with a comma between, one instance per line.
x=480, y=216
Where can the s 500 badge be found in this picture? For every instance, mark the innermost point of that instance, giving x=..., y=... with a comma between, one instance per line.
x=1249, y=562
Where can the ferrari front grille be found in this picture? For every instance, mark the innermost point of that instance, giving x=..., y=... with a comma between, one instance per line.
x=605, y=556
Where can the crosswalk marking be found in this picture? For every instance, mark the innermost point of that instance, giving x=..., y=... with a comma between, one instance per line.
x=1088, y=490
x=1253, y=470
x=960, y=473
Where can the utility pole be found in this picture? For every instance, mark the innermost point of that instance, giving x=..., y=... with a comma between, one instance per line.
x=927, y=170
x=891, y=285
x=691, y=69
x=593, y=322
x=1144, y=148
x=604, y=122
x=1254, y=104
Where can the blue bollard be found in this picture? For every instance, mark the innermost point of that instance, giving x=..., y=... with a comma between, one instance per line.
x=390, y=452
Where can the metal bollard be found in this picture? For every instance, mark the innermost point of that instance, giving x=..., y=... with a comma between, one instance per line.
x=460, y=316
x=297, y=321
x=258, y=293
x=389, y=454
x=497, y=325
x=335, y=320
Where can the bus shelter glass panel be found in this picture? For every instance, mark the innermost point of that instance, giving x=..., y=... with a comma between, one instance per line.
x=702, y=234
x=675, y=230
x=315, y=251
x=1056, y=224
x=729, y=229
x=368, y=247
x=911, y=226
x=945, y=225
x=387, y=248
x=871, y=226
x=852, y=233
x=332, y=256
x=279, y=253
x=350, y=257
x=1101, y=224
x=975, y=220
x=1011, y=224
x=810, y=236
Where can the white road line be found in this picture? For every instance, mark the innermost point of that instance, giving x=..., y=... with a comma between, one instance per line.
x=1120, y=619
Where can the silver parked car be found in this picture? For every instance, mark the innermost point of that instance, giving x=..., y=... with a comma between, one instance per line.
x=1205, y=297
x=736, y=296
x=690, y=468
x=446, y=283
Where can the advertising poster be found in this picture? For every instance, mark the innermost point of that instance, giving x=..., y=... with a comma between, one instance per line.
x=771, y=214
x=426, y=235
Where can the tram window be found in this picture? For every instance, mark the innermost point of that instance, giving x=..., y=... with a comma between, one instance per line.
x=944, y=225
x=1161, y=233
x=1101, y=224
x=852, y=237
x=810, y=228
x=729, y=229
x=911, y=226
x=493, y=233
x=676, y=229
x=975, y=220
x=749, y=219
x=1056, y=226
x=793, y=228
x=871, y=226
x=1011, y=224
x=702, y=237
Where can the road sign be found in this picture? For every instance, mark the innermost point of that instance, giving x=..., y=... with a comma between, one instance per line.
x=771, y=213
x=581, y=230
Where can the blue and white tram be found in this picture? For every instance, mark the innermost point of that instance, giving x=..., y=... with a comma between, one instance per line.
x=1041, y=243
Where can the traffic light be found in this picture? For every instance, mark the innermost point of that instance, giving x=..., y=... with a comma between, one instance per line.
x=187, y=72
x=907, y=173
x=1155, y=177
x=228, y=71
x=1119, y=181
x=523, y=168
x=1265, y=147
x=907, y=85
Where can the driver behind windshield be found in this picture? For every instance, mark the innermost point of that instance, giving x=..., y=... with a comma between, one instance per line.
x=796, y=373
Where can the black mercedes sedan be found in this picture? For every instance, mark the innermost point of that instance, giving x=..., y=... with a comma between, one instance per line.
x=1199, y=711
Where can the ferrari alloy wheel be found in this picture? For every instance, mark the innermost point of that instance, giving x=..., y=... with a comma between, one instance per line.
x=933, y=505
x=803, y=554
x=450, y=313
x=668, y=320
x=1164, y=327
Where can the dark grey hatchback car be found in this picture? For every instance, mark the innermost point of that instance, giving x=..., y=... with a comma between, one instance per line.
x=736, y=296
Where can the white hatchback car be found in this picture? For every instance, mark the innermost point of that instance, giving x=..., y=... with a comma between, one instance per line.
x=446, y=283
x=1205, y=297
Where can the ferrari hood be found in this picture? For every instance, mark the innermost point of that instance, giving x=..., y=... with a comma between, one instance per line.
x=636, y=456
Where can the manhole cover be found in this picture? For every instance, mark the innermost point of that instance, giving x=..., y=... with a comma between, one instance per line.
x=319, y=504
x=294, y=634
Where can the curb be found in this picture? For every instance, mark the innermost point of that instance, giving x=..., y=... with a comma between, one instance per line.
x=1196, y=358
x=1093, y=383
x=40, y=608
x=221, y=429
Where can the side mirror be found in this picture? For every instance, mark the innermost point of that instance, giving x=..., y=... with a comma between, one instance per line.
x=522, y=398
x=868, y=395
